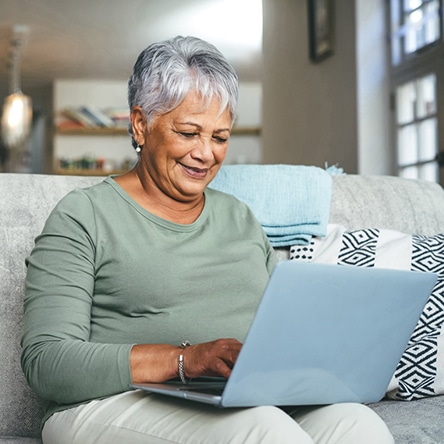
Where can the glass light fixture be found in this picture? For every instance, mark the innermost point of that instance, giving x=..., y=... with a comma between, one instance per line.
x=17, y=108
x=16, y=119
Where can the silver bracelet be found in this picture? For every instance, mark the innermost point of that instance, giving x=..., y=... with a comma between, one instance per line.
x=184, y=380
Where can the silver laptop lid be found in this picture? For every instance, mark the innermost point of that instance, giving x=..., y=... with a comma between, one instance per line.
x=326, y=334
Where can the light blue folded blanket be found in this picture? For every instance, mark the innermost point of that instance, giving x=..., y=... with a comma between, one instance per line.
x=291, y=202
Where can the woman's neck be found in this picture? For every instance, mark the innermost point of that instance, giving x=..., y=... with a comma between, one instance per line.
x=148, y=196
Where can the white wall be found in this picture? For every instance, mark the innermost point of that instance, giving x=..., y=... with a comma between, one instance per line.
x=310, y=114
x=373, y=76
x=247, y=148
x=336, y=111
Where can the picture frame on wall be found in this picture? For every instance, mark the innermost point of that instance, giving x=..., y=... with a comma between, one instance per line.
x=320, y=29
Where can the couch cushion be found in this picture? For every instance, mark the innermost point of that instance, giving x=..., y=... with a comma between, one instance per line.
x=416, y=422
x=25, y=203
x=420, y=372
x=19, y=440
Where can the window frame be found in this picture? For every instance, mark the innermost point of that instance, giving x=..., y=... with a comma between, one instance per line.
x=412, y=66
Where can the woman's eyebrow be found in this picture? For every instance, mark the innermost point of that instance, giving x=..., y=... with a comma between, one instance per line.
x=221, y=130
x=199, y=127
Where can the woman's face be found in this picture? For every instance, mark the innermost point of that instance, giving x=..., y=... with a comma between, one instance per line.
x=184, y=149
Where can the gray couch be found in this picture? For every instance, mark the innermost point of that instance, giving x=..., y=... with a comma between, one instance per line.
x=357, y=202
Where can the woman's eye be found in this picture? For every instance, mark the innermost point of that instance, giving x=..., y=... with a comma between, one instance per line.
x=220, y=139
x=187, y=135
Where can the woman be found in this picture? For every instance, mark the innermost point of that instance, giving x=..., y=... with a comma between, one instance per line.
x=126, y=270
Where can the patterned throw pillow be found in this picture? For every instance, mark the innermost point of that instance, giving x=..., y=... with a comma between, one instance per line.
x=420, y=373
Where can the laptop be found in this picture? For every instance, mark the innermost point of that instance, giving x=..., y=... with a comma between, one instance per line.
x=322, y=334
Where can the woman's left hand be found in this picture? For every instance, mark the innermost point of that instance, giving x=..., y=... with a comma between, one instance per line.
x=159, y=362
x=215, y=358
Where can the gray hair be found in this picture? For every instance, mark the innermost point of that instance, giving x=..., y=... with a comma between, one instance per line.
x=165, y=72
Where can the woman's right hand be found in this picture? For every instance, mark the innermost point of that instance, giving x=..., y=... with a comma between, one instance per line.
x=159, y=362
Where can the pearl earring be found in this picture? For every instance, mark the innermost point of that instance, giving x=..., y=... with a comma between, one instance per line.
x=138, y=149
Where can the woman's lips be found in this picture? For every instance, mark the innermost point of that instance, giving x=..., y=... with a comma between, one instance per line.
x=198, y=173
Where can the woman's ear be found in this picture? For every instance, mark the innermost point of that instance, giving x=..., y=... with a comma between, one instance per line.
x=138, y=123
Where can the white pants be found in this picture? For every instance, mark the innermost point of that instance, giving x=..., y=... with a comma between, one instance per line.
x=136, y=417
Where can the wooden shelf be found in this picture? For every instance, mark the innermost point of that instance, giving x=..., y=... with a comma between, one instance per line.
x=85, y=172
x=240, y=131
x=246, y=131
x=93, y=131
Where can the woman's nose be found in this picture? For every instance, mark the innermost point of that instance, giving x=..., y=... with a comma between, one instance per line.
x=203, y=149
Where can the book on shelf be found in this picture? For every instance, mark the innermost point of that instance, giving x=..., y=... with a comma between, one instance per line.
x=120, y=115
x=92, y=117
x=76, y=115
x=98, y=116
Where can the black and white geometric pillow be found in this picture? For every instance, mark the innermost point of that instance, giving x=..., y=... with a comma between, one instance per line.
x=420, y=372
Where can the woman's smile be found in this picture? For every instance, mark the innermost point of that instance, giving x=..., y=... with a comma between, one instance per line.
x=196, y=173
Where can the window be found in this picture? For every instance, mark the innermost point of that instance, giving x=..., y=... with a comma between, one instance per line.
x=417, y=54
x=417, y=141
x=414, y=25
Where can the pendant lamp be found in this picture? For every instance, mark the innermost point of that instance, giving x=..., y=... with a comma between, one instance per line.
x=17, y=107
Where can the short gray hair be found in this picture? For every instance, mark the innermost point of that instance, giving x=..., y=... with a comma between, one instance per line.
x=165, y=72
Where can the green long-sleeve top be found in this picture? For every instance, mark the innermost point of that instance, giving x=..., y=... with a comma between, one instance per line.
x=106, y=274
